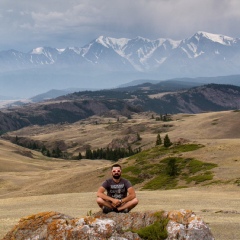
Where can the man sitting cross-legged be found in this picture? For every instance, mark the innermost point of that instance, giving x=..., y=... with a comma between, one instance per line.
x=120, y=197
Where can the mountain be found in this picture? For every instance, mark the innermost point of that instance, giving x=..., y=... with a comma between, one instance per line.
x=205, y=98
x=54, y=93
x=60, y=111
x=108, y=62
x=161, y=98
x=139, y=54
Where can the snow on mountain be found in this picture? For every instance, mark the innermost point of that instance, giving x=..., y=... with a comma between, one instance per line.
x=190, y=56
x=218, y=38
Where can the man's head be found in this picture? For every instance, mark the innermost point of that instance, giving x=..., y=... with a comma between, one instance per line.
x=116, y=171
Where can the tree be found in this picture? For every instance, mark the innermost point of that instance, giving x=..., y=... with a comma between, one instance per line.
x=48, y=154
x=88, y=154
x=79, y=156
x=138, y=137
x=166, y=142
x=172, y=169
x=159, y=140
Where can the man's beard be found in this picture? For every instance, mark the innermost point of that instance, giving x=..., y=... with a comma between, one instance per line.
x=116, y=176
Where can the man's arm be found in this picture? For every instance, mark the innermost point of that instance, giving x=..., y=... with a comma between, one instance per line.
x=131, y=195
x=101, y=194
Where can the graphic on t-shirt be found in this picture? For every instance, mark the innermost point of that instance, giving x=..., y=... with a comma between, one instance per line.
x=117, y=190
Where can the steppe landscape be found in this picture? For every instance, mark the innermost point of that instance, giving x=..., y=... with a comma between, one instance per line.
x=32, y=183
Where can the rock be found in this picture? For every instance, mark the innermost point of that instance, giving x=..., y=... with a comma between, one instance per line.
x=123, y=142
x=183, y=224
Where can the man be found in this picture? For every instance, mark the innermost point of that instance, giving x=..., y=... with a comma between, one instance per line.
x=120, y=197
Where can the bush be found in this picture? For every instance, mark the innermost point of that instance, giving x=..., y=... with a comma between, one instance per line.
x=155, y=231
x=166, y=142
x=172, y=169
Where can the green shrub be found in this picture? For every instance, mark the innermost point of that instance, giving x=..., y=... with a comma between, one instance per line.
x=133, y=169
x=155, y=231
x=133, y=180
x=187, y=147
x=172, y=168
x=200, y=178
x=195, y=166
x=162, y=181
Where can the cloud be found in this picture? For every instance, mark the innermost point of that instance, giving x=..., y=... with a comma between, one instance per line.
x=76, y=22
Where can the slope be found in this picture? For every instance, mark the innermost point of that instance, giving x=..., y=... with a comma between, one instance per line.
x=26, y=172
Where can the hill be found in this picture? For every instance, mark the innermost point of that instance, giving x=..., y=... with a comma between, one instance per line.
x=215, y=135
x=167, y=97
x=31, y=182
x=60, y=111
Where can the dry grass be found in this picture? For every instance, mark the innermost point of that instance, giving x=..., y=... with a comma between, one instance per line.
x=30, y=183
x=219, y=206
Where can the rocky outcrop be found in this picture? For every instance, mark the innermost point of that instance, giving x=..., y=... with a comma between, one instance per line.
x=124, y=142
x=183, y=224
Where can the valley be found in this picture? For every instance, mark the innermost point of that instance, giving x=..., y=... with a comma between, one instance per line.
x=27, y=174
x=151, y=85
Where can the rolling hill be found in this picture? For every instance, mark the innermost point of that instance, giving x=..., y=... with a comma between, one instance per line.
x=27, y=172
x=31, y=182
x=161, y=98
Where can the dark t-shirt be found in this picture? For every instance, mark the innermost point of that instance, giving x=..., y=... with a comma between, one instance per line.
x=117, y=190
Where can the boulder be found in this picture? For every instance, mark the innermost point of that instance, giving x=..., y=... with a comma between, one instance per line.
x=182, y=224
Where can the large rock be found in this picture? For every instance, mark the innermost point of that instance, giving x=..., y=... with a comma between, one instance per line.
x=183, y=224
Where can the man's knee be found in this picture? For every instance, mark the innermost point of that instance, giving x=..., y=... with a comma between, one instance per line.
x=99, y=200
x=135, y=201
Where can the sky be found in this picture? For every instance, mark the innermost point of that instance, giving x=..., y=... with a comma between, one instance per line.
x=28, y=24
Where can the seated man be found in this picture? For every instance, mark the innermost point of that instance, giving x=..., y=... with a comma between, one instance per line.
x=120, y=197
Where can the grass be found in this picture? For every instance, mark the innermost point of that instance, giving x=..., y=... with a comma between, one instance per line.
x=159, y=171
x=100, y=176
x=162, y=181
x=155, y=231
x=132, y=169
x=206, y=176
x=195, y=166
x=133, y=180
x=161, y=151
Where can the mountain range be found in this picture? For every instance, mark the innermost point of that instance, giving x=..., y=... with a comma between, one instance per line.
x=107, y=62
x=165, y=97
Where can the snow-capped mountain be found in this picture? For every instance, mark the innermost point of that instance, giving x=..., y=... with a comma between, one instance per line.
x=203, y=54
x=195, y=54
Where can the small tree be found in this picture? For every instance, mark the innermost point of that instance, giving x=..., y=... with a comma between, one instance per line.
x=88, y=154
x=79, y=156
x=138, y=137
x=172, y=169
x=166, y=142
x=159, y=140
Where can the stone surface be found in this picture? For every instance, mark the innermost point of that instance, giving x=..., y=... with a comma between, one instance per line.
x=183, y=224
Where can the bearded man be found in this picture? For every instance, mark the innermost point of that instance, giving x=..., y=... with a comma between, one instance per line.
x=120, y=197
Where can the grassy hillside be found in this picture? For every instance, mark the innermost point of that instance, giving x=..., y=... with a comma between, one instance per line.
x=201, y=168
x=205, y=151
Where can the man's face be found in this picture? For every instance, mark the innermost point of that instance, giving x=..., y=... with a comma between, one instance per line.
x=116, y=172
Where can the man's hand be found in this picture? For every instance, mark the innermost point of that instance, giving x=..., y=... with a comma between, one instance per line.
x=116, y=202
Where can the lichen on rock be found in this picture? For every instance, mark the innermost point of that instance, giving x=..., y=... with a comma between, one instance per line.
x=182, y=224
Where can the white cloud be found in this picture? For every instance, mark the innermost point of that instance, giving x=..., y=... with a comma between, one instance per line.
x=76, y=22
